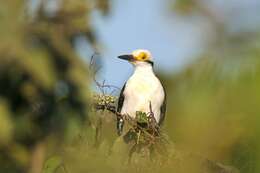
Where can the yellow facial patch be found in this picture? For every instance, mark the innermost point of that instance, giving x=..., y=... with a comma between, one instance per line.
x=141, y=55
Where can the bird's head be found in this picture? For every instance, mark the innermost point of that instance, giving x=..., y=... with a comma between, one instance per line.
x=138, y=57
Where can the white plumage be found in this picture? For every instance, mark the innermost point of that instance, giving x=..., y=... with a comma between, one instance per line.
x=142, y=90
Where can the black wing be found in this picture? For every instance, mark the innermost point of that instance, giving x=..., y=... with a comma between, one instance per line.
x=121, y=99
x=120, y=121
x=163, y=109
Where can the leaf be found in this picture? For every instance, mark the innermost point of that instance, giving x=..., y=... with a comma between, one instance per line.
x=141, y=117
x=52, y=164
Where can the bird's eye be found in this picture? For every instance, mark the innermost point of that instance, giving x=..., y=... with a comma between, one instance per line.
x=142, y=56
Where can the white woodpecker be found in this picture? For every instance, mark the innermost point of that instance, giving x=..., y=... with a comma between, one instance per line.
x=143, y=91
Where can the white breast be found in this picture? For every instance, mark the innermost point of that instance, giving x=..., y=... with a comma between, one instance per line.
x=141, y=89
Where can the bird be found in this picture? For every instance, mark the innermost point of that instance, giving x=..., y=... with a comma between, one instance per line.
x=143, y=91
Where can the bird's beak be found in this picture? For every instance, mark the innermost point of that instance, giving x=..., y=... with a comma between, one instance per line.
x=127, y=57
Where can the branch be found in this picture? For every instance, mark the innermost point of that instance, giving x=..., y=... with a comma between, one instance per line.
x=101, y=85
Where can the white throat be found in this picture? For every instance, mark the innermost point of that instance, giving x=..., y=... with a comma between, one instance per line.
x=143, y=68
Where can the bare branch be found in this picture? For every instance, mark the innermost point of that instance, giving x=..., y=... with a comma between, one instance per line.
x=102, y=86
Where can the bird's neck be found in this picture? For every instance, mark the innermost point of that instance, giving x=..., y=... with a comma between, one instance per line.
x=144, y=69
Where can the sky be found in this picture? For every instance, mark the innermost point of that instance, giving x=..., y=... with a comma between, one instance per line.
x=172, y=39
x=131, y=26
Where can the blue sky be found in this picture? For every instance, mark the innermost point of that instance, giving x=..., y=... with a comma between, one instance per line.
x=173, y=40
x=152, y=24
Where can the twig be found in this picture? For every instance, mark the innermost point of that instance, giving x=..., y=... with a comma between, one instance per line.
x=102, y=86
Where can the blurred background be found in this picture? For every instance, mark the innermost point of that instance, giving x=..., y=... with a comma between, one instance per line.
x=206, y=53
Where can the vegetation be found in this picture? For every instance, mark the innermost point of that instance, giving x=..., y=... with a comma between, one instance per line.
x=44, y=84
x=50, y=122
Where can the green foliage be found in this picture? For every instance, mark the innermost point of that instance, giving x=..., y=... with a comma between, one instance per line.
x=6, y=125
x=52, y=164
x=44, y=84
x=212, y=112
x=141, y=117
x=214, y=101
x=214, y=109
x=184, y=6
x=104, y=99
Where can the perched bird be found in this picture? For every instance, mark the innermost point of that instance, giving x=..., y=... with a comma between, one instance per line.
x=143, y=91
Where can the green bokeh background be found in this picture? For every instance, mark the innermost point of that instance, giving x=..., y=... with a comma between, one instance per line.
x=45, y=102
